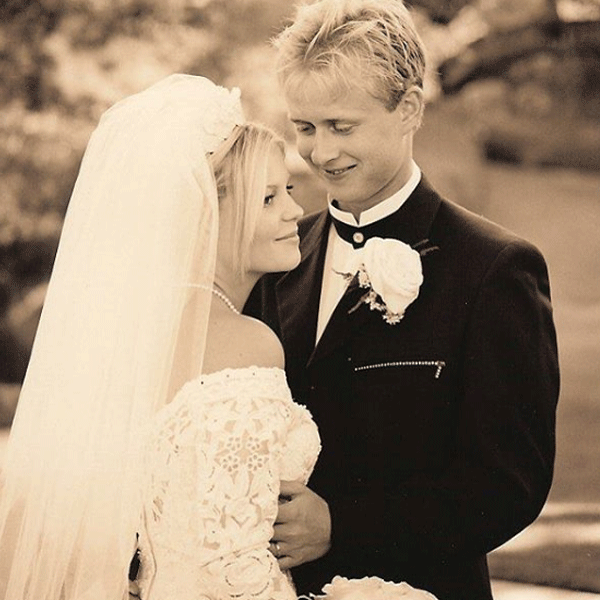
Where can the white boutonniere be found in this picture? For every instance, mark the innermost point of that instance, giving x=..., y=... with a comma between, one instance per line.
x=392, y=274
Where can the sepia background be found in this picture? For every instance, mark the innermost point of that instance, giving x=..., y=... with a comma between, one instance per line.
x=512, y=131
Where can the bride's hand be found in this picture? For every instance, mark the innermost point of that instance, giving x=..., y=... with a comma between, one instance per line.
x=303, y=526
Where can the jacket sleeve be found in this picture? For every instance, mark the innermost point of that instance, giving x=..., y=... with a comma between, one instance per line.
x=500, y=475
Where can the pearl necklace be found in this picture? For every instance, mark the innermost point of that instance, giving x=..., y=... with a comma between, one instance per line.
x=226, y=300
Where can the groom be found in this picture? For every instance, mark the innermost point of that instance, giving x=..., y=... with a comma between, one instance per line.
x=436, y=405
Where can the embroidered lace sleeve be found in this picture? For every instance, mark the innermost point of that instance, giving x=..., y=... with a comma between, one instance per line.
x=216, y=459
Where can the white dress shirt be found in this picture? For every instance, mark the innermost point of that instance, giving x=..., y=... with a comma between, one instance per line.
x=340, y=254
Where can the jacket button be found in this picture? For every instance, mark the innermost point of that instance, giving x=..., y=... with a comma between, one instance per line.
x=358, y=238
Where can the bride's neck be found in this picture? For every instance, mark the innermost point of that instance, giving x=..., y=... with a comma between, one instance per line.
x=236, y=289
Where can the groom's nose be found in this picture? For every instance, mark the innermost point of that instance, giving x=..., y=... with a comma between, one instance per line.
x=323, y=149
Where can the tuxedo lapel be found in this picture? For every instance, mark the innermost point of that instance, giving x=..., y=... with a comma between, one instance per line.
x=299, y=291
x=338, y=325
x=410, y=224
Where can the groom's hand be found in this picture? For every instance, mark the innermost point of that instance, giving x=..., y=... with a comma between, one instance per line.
x=303, y=526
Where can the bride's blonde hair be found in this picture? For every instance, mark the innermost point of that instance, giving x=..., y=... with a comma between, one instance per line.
x=240, y=168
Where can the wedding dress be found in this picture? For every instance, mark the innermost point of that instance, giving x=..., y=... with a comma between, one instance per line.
x=217, y=454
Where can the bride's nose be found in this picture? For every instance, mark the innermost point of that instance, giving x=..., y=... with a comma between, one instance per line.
x=293, y=211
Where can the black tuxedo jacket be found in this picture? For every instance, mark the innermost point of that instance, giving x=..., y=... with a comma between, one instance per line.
x=437, y=432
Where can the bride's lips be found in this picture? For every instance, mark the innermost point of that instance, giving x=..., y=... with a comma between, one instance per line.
x=290, y=236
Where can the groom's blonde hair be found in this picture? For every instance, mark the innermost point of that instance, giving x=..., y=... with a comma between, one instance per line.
x=337, y=43
x=240, y=168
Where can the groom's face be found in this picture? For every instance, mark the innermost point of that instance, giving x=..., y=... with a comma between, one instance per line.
x=359, y=149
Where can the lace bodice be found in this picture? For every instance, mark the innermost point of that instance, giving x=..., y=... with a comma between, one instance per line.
x=217, y=454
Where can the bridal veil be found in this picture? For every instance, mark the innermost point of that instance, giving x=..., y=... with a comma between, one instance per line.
x=122, y=327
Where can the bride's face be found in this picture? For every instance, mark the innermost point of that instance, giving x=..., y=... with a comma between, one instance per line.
x=275, y=246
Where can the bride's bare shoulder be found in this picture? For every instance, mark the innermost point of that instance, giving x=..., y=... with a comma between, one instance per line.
x=237, y=341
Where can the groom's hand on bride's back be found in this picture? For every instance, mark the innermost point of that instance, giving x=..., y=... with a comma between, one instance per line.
x=303, y=526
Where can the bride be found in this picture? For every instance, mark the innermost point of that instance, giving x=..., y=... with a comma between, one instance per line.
x=155, y=420
x=154, y=415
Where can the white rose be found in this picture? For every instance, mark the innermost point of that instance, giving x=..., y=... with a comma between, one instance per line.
x=371, y=588
x=342, y=588
x=394, y=270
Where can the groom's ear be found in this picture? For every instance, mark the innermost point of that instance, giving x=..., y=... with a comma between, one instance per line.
x=410, y=108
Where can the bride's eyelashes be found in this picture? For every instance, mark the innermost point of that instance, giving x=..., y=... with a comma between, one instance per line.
x=270, y=197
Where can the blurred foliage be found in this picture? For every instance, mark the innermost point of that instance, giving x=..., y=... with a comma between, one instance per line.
x=533, y=84
x=63, y=62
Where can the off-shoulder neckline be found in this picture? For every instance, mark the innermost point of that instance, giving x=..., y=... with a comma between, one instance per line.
x=219, y=377
x=230, y=372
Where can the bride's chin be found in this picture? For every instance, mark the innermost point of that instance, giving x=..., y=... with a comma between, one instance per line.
x=287, y=258
x=295, y=262
x=286, y=265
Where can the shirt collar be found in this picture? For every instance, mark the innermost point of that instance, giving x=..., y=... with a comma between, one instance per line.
x=384, y=208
